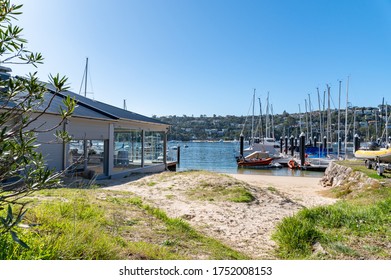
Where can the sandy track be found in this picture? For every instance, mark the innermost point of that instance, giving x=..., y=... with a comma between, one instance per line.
x=246, y=227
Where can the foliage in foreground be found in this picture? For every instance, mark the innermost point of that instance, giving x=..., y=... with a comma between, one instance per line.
x=96, y=224
x=22, y=104
x=345, y=230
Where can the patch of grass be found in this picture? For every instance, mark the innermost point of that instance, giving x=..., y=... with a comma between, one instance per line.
x=221, y=188
x=338, y=228
x=97, y=224
x=295, y=238
x=241, y=195
x=272, y=189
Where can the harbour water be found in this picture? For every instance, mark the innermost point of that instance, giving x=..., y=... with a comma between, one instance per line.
x=220, y=157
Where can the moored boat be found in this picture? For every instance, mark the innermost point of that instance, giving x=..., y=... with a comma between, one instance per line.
x=293, y=164
x=254, y=161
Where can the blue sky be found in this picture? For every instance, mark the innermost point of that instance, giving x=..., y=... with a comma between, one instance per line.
x=193, y=57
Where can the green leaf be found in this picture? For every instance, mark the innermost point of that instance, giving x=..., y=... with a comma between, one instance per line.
x=17, y=240
x=10, y=216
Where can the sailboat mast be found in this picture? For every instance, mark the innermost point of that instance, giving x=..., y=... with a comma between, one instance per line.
x=267, y=116
x=300, y=119
x=386, y=122
x=339, y=117
x=306, y=117
x=346, y=116
x=271, y=107
x=330, y=140
x=260, y=117
x=320, y=117
x=252, y=121
x=85, y=76
x=324, y=113
x=309, y=107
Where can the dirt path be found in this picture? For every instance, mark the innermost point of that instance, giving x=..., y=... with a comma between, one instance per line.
x=246, y=227
x=303, y=190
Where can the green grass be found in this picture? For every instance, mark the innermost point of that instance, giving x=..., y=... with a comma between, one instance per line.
x=218, y=187
x=355, y=228
x=95, y=224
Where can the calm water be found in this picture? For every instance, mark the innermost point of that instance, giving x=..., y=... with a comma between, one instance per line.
x=220, y=157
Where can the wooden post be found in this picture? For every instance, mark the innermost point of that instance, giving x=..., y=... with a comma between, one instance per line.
x=179, y=155
x=241, y=145
x=281, y=145
x=356, y=142
x=302, y=149
x=292, y=147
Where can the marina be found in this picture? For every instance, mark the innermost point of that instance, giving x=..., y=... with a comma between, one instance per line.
x=220, y=157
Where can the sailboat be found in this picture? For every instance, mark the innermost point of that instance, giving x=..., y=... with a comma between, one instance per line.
x=266, y=145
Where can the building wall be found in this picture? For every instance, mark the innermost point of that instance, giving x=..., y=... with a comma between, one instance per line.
x=50, y=147
x=78, y=128
x=54, y=150
x=88, y=129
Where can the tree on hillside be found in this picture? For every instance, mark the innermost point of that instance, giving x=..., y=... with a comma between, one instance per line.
x=22, y=167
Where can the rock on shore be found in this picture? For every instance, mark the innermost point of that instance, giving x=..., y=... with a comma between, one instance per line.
x=338, y=175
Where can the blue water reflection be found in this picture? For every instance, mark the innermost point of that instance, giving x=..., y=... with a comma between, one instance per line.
x=220, y=157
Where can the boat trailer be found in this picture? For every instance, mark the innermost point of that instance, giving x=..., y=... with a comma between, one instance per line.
x=380, y=167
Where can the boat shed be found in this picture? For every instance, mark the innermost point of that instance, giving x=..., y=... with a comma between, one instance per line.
x=107, y=141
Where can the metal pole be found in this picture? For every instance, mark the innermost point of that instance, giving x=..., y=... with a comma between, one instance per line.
x=346, y=117
x=339, y=119
x=320, y=116
x=85, y=85
x=252, y=121
x=309, y=107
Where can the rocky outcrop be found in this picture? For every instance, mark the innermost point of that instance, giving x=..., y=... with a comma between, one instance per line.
x=339, y=175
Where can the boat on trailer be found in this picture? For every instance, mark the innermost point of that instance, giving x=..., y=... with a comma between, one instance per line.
x=381, y=155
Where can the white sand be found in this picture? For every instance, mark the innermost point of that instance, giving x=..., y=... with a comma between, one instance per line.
x=246, y=227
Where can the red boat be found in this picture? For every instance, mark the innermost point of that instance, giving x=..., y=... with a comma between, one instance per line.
x=255, y=162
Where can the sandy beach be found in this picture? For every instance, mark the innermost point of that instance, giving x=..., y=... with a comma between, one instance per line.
x=246, y=227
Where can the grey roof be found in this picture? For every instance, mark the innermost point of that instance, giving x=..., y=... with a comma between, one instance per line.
x=56, y=104
x=91, y=108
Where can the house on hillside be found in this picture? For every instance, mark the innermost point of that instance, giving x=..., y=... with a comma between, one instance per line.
x=106, y=141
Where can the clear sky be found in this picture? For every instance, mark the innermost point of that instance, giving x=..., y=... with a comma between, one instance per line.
x=193, y=57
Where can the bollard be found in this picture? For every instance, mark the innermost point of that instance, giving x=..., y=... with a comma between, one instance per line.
x=281, y=145
x=302, y=148
x=339, y=144
x=178, y=152
x=241, y=145
x=292, y=147
x=325, y=145
x=286, y=145
x=356, y=142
